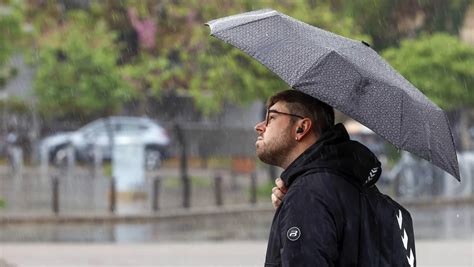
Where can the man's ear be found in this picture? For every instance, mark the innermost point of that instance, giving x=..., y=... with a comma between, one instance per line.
x=303, y=127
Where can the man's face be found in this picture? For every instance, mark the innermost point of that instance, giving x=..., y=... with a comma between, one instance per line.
x=274, y=140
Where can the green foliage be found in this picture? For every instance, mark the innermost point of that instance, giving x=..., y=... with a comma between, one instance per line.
x=11, y=21
x=77, y=71
x=229, y=76
x=90, y=62
x=107, y=169
x=188, y=61
x=196, y=181
x=78, y=53
x=264, y=191
x=152, y=74
x=3, y=203
x=440, y=65
x=388, y=21
x=15, y=105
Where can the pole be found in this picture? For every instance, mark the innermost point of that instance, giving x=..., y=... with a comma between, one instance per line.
x=218, y=190
x=184, y=167
x=112, y=196
x=55, y=196
x=155, y=193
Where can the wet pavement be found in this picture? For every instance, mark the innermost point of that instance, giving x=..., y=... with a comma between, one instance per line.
x=249, y=253
x=454, y=222
x=444, y=237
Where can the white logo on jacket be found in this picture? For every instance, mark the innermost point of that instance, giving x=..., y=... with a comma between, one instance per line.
x=293, y=233
x=372, y=175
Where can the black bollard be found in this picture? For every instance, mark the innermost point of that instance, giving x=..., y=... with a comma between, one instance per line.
x=155, y=193
x=183, y=166
x=186, y=192
x=253, y=188
x=55, y=198
x=218, y=190
x=112, y=196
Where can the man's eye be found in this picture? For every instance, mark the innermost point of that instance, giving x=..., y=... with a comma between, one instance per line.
x=271, y=118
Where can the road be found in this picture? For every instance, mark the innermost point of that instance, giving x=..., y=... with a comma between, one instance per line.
x=248, y=253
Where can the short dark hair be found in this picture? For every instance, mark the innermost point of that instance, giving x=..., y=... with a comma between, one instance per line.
x=320, y=113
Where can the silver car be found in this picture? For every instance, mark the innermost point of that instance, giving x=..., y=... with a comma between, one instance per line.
x=100, y=135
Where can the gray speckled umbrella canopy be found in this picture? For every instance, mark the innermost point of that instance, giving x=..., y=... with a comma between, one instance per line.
x=347, y=75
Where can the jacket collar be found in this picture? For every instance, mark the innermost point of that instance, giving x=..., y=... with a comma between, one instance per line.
x=336, y=152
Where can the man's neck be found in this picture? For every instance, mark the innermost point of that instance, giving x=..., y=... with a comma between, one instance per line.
x=297, y=151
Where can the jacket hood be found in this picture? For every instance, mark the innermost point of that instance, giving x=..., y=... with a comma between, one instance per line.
x=335, y=152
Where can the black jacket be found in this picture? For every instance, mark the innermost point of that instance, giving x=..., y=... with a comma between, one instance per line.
x=323, y=218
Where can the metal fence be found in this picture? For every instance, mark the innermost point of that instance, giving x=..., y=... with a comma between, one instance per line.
x=82, y=192
x=33, y=193
x=81, y=189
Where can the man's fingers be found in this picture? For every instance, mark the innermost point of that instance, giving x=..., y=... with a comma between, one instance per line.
x=277, y=192
x=274, y=188
x=275, y=201
x=281, y=185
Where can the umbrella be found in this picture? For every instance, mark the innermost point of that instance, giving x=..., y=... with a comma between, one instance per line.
x=348, y=75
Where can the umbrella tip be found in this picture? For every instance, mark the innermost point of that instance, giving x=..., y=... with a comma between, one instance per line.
x=456, y=174
x=458, y=177
x=365, y=43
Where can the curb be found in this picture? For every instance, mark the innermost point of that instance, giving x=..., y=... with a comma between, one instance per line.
x=134, y=218
x=234, y=210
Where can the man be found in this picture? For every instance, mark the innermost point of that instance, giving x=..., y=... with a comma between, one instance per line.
x=327, y=197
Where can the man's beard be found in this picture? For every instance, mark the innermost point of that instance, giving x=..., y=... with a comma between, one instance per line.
x=276, y=151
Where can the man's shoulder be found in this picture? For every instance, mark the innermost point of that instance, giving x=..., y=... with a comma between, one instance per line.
x=323, y=183
x=313, y=182
x=320, y=177
x=316, y=193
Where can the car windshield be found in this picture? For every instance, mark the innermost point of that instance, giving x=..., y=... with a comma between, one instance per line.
x=95, y=127
x=130, y=127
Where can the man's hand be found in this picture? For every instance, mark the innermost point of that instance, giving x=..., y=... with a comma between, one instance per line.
x=278, y=192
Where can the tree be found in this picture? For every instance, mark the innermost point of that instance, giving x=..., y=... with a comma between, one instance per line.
x=441, y=66
x=11, y=22
x=182, y=58
x=388, y=21
x=77, y=71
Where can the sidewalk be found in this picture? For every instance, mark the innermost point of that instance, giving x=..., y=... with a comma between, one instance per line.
x=248, y=253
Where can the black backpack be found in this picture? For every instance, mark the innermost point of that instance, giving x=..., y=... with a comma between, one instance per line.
x=392, y=243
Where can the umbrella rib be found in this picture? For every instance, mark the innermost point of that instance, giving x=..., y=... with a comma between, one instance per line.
x=316, y=62
x=239, y=25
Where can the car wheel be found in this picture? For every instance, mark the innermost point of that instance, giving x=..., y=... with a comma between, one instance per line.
x=152, y=159
x=60, y=156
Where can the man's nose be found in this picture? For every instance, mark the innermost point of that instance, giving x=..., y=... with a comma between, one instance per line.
x=260, y=127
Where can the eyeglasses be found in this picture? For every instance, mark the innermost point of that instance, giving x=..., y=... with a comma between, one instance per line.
x=267, y=119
